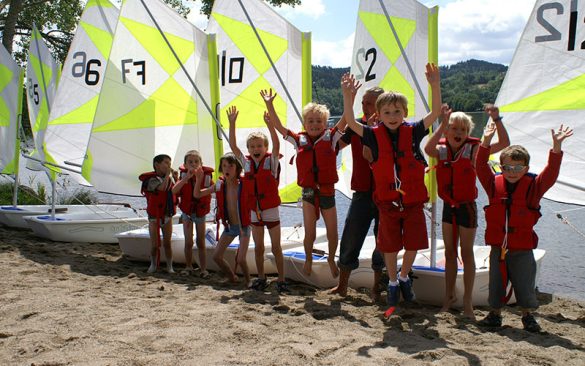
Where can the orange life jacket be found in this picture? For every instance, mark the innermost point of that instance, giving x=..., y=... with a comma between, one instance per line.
x=398, y=175
x=262, y=184
x=243, y=203
x=159, y=204
x=189, y=204
x=316, y=162
x=518, y=231
x=456, y=177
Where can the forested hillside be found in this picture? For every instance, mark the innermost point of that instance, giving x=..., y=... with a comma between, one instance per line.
x=465, y=86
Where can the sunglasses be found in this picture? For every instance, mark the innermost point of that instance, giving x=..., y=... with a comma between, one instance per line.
x=512, y=168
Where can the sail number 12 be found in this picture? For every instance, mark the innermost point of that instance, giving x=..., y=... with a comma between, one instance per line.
x=547, y=10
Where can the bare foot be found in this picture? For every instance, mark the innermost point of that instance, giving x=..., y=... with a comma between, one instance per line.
x=339, y=290
x=447, y=304
x=333, y=267
x=375, y=294
x=308, y=266
x=234, y=279
x=468, y=310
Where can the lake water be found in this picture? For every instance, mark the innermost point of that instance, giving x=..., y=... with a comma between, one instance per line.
x=563, y=268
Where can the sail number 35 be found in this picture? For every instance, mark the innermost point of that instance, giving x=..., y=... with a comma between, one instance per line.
x=544, y=15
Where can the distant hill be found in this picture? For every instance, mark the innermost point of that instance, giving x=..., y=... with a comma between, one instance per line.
x=465, y=86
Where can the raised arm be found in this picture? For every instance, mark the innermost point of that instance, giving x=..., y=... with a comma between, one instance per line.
x=273, y=135
x=431, y=146
x=232, y=114
x=434, y=79
x=559, y=136
x=181, y=182
x=197, y=191
x=503, y=138
x=349, y=88
x=268, y=96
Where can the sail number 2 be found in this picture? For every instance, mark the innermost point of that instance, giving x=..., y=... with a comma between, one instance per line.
x=362, y=57
x=547, y=10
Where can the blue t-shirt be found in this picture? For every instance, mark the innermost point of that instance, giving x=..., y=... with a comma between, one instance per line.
x=418, y=133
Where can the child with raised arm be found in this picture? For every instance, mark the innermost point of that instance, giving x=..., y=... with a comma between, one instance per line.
x=261, y=174
x=233, y=210
x=160, y=207
x=513, y=210
x=456, y=184
x=399, y=168
x=194, y=209
x=316, y=174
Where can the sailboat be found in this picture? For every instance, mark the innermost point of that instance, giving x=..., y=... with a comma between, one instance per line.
x=42, y=73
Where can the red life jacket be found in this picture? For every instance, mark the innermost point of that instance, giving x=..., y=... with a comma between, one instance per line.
x=398, y=175
x=261, y=183
x=189, y=204
x=243, y=203
x=159, y=204
x=316, y=162
x=456, y=174
x=519, y=232
x=361, y=176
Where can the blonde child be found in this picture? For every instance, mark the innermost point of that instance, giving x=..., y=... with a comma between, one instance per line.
x=456, y=183
x=160, y=207
x=233, y=210
x=316, y=158
x=194, y=209
x=398, y=167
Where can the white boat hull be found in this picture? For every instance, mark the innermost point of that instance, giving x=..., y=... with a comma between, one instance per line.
x=429, y=284
x=135, y=245
x=14, y=216
x=99, y=226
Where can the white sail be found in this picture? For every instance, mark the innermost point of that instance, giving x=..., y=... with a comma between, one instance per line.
x=10, y=109
x=42, y=75
x=383, y=29
x=75, y=102
x=544, y=87
x=245, y=69
x=148, y=103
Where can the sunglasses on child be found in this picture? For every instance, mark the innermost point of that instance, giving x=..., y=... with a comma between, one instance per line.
x=512, y=168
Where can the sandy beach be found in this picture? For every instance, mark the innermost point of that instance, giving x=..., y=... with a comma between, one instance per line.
x=84, y=304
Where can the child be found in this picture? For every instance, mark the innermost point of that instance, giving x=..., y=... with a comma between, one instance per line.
x=194, y=210
x=456, y=181
x=317, y=174
x=513, y=210
x=160, y=206
x=261, y=173
x=362, y=209
x=233, y=210
x=399, y=168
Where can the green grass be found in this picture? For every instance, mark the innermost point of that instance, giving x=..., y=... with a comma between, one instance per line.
x=30, y=196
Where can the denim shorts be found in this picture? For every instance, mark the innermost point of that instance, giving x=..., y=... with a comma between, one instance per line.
x=236, y=230
x=165, y=220
x=325, y=202
x=193, y=218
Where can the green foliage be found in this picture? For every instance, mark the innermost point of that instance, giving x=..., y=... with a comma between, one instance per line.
x=208, y=4
x=79, y=197
x=26, y=195
x=326, y=89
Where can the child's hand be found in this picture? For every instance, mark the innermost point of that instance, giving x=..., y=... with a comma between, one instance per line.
x=445, y=113
x=373, y=120
x=190, y=173
x=489, y=131
x=432, y=74
x=232, y=114
x=493, y=112
x=199, y=174
x=267, y=118
x=349, y=84
x=268, y=96
x=560, y=135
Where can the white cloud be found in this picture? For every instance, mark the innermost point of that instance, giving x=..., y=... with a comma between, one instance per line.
x=313, y=9
x=195, y=16
x=334, y=54
x=482, y=29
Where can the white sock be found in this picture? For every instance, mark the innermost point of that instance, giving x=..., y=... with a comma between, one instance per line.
x=403, y=279
x=392, y=283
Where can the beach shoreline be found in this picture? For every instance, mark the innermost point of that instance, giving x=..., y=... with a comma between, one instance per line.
x=84, y=304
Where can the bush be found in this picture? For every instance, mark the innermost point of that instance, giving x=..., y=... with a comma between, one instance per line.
x=26, y=195
x=79, y=197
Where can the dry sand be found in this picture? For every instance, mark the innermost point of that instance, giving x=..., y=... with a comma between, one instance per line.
x=84, y=304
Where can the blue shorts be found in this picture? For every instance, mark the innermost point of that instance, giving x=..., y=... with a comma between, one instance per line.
x=236, y=230
x=193, y=218
x=165, y=220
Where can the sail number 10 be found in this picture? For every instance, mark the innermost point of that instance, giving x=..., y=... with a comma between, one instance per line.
x=548, y=10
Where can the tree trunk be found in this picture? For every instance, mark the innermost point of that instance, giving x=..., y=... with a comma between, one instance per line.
x=10, y=24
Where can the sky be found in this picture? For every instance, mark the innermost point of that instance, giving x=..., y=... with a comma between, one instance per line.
x=481, y=29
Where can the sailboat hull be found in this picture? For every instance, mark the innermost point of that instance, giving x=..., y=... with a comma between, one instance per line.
x=99, y=226
x=429, y=284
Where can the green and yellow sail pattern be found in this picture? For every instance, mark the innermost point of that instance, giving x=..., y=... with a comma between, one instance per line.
x=244, y=69
x=149, y=103
x=11, y=82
